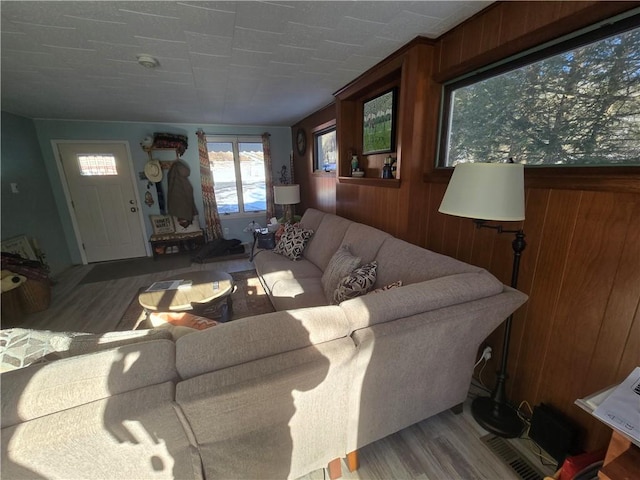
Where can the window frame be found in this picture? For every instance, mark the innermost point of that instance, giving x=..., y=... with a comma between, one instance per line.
x=316, y=133
x=235, y=140
x=585, y=36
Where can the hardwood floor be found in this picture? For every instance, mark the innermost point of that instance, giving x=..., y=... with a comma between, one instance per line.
x=443, y=447
x=97, y=307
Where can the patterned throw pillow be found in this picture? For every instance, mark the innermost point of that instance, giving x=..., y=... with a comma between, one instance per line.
x=357, y=283
x=293, y=241
x=387, y=287
x=342, y=263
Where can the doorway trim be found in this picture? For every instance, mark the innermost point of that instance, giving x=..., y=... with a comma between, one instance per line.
x=67, y=193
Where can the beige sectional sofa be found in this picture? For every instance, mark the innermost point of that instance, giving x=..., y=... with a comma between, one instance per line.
x=415, y=345
x=270, y=396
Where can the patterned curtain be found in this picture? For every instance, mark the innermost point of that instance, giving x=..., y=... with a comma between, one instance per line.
x=268, y=175
x=213, y=229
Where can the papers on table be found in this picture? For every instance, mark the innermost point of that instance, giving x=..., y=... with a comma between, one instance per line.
x=166, y=285
x=621, y=409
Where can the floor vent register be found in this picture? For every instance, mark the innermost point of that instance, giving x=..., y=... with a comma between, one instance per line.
x=512, y=458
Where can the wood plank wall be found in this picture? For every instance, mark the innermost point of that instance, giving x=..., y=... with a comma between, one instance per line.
x=580, y=330
x=317, y=189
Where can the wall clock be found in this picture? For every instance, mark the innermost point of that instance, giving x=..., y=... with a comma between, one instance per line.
x=301, y=141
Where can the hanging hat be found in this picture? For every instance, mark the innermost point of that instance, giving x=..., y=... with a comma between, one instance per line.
x=153, y=170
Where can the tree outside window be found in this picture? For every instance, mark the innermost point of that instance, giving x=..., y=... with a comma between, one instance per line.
x=580, y=107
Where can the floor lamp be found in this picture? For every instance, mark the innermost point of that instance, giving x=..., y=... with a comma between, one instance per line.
x=286, y=195
x=492, y=192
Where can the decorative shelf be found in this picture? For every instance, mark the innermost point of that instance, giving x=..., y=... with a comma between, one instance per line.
x=371, y=182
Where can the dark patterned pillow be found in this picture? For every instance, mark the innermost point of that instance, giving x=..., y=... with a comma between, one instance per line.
x=357, y=283
x=293, y=241
x=387, y=287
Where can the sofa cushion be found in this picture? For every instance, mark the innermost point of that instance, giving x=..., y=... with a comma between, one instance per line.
x=134, y=435
x=326, y=240
x=251, y=338
x=311, y=219
x=293, y=241
x=273, y=267
x=293, y=293
x=400, y=260
x=365, y=241
x=342, y=263
x=20, y=347
x=357, y=283
x=42, y=389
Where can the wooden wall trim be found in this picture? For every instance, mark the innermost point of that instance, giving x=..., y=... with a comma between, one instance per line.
x=566, y=24
x=601, y=179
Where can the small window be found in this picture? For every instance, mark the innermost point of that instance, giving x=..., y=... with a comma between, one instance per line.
x=325, y=150
x=238, y=172
x=575, y=102
x=97, y=165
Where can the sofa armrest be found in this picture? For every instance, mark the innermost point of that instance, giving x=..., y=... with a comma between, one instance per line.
x=421, y=297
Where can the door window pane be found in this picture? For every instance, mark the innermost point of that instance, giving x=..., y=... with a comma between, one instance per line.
x=97, y=165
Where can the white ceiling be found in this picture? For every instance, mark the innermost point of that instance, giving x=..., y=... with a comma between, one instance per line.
x=242, y=63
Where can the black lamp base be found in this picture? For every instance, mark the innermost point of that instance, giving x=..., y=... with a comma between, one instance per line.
x=502, y=421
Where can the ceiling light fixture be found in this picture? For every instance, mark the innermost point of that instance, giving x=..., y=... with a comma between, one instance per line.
x=147, y=61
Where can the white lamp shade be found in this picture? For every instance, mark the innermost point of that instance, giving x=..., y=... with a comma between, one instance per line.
x=286, y=194
x=486, y=191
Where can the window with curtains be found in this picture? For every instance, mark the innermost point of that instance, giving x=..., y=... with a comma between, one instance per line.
x=572, y=102
x=237, y=165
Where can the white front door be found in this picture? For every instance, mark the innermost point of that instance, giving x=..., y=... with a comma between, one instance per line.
x=103, y=200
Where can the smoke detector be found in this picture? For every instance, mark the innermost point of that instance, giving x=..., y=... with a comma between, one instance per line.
x=147, y=61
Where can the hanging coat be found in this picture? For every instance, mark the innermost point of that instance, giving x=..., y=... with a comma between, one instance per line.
x=180, y=194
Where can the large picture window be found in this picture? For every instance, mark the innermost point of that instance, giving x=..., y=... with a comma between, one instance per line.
x=238, y=171
x=574, y=103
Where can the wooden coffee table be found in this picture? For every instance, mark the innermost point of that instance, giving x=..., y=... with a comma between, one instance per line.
x=208, y=286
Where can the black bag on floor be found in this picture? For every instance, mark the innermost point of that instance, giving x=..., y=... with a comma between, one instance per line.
x=218, y=248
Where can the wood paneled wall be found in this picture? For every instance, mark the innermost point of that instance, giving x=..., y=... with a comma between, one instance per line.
x=580, y=330
x=317, y=189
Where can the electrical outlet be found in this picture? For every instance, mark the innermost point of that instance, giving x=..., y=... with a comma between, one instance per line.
x=226, y=230
x=486, y=353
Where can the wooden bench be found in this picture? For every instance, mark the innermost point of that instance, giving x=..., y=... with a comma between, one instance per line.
x=165, y=243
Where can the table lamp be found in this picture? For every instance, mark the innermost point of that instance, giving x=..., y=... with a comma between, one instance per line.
x=286, y=195
x=492, y=192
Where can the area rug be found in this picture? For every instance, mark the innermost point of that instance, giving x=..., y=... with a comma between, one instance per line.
x=249, y=298
x=233, y=256
x=102, y=272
